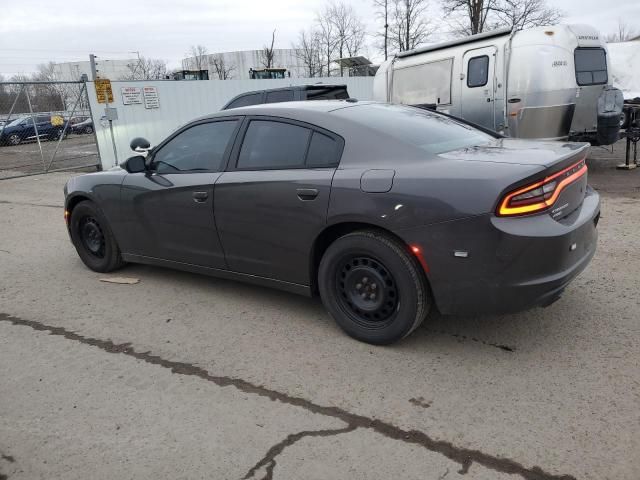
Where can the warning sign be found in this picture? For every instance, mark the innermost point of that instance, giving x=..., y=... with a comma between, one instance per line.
x=131, y=95
x=103, y=90
x=151, y=99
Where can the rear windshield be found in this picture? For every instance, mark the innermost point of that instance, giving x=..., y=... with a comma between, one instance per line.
x=591, y=66
x=425, y=129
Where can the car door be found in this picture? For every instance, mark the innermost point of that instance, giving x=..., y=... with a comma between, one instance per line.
x=167, y=211
x=477, y=97
x=272, y=202
x=45, y=127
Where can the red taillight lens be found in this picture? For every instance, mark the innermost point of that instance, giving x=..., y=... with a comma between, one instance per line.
x=540, y=195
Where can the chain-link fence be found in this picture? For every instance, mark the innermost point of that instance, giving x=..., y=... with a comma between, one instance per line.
x=45, y=127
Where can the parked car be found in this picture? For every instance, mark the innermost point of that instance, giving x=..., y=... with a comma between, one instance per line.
x=386, y=211
x=289, y=94
x=24, y=129
x=85, y=126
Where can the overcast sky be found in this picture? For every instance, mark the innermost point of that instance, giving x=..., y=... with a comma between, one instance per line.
x=33, y=32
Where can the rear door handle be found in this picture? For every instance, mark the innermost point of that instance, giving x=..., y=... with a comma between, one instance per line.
x=200, y=196
x=307, y=193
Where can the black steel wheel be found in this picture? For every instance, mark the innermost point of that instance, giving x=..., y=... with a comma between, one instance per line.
x=366, y=291
x=373, y=287
x=93, y=238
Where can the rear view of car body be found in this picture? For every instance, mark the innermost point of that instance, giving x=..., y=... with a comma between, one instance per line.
x=480, y=253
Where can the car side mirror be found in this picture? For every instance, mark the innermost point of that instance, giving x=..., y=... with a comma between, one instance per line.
x=140, y=144
x=135, y=164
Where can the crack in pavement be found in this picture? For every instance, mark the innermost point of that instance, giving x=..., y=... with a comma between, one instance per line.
x=463, y=456
x=506, y=348
x=270, y=457
x=10, y=459
x=28, y=204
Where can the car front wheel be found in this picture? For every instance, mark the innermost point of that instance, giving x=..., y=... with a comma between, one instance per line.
x=14, y=139
x=93, y=238
x=373, y=287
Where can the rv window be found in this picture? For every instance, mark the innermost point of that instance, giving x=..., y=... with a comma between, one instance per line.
x=478, y=71
x=591, y=66
x=426, y=83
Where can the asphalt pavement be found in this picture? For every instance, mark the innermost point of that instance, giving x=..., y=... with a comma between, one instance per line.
x=184, y=376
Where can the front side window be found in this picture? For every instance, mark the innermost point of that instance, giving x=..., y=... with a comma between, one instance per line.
x=591, y=66
x=478, y=71
x=199, y=148
x=269, y=144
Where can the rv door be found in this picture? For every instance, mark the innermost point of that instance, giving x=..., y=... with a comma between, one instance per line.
x=477, y=98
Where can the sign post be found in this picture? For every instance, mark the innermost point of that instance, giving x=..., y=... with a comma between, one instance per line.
x=104, y=94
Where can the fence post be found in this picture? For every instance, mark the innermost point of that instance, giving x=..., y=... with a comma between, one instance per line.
x=35, y=126
x=64, y=129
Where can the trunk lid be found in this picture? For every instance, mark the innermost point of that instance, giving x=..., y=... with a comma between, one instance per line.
x=555, y=158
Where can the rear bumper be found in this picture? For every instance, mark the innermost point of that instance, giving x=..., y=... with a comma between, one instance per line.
x=513, y=264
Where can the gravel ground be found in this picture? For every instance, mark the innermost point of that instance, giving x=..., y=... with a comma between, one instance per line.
x=185, y=376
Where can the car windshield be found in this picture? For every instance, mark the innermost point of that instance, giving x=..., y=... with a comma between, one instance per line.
x=425, y=129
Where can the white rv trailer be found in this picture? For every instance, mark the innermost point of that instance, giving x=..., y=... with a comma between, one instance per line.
x=546, y=82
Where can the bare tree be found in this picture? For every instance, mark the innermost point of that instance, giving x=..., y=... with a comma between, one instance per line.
x=307, y=49
x=520, y=14
x=623, y=34
x=146, y=69
x=382, y=12
x=221, y=68
x=472, y=15
x=477, y=16
x=326, y=37
x=199, y=57
x=409, y=25
x=348, y=29
x=267, y=53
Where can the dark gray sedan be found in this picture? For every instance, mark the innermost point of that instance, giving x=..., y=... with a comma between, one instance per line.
x=385, y=211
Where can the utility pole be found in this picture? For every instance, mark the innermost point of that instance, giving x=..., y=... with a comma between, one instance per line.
x=92, y=61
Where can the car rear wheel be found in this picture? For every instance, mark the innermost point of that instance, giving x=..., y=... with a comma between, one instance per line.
x=373, y=287
x=88, y=129
x=93, y=238
x=14, y=139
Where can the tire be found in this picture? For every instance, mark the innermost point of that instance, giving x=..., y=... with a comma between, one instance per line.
x=624, y=118
x=93, y=239
x=88, y=129
x=14, y=139
x=363, y=263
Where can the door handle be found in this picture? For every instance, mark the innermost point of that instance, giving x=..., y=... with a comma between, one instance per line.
x=200, y=196
x=307, y=193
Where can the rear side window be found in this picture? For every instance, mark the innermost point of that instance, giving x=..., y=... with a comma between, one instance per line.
x=246, y=100
x=478, y=71
x=327, y=94
x=591, y=66
x=323, y=151
x=269, y=144
x=199, y=148
x=280, y=96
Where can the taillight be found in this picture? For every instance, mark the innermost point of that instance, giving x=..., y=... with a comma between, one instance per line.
x=542, y=194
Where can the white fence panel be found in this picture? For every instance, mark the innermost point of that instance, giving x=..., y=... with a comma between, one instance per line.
x=181, y=102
